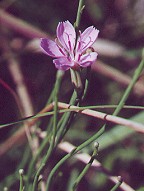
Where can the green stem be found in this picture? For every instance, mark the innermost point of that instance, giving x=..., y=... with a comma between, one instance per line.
x=73, y=152
x=87, y=167
x=131, y=85
x=12, y=178
x=34, y=160
x=42, y=146
x=21, y=188
x=77, y=82
x=66, y=120
x=101, y=131
x=117, y=185
x=72, y=109
x=58, y=82
x=79, y=12
x=52, y=143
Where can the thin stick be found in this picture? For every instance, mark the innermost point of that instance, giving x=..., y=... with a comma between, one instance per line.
x=117, y=76
x=22, y=91
x=20, y=26
x=117, y=120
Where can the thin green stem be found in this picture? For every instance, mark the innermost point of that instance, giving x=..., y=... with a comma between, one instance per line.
x=42, y=146
x=66, y=120
x=130, y=86
x=72, y=109
x=9, y=180
x=34, y=160
x=101, y=131
x=87, y=167
x=52, y=143
x=58, y=82
x=73, y=152
x=79, y=12
x=118, y=184
x=21, y=188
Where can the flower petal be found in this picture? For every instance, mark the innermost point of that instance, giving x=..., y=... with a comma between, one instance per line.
x=66, y=35
x=86, y=39
x=87, y=59
x=51, y=48
x=63, y=63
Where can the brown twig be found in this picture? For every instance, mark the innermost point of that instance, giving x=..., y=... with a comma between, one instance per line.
x=20, y=26
x=21, y=89
x=117, y=120
x=19, y=137
x=109, y=48
x=117, y=76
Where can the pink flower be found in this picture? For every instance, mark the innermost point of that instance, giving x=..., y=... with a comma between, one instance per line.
x=69, y=52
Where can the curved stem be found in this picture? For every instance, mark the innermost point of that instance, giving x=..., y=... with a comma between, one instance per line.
x=76, y=150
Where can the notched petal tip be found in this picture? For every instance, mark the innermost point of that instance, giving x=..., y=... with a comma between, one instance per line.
x=66, y=35
x=86, y=39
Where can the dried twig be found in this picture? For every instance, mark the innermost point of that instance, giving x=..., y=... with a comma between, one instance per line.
x=117, y=120
x=22, y=91
x=117, y=76
x=19, y=137
x=20, y=26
